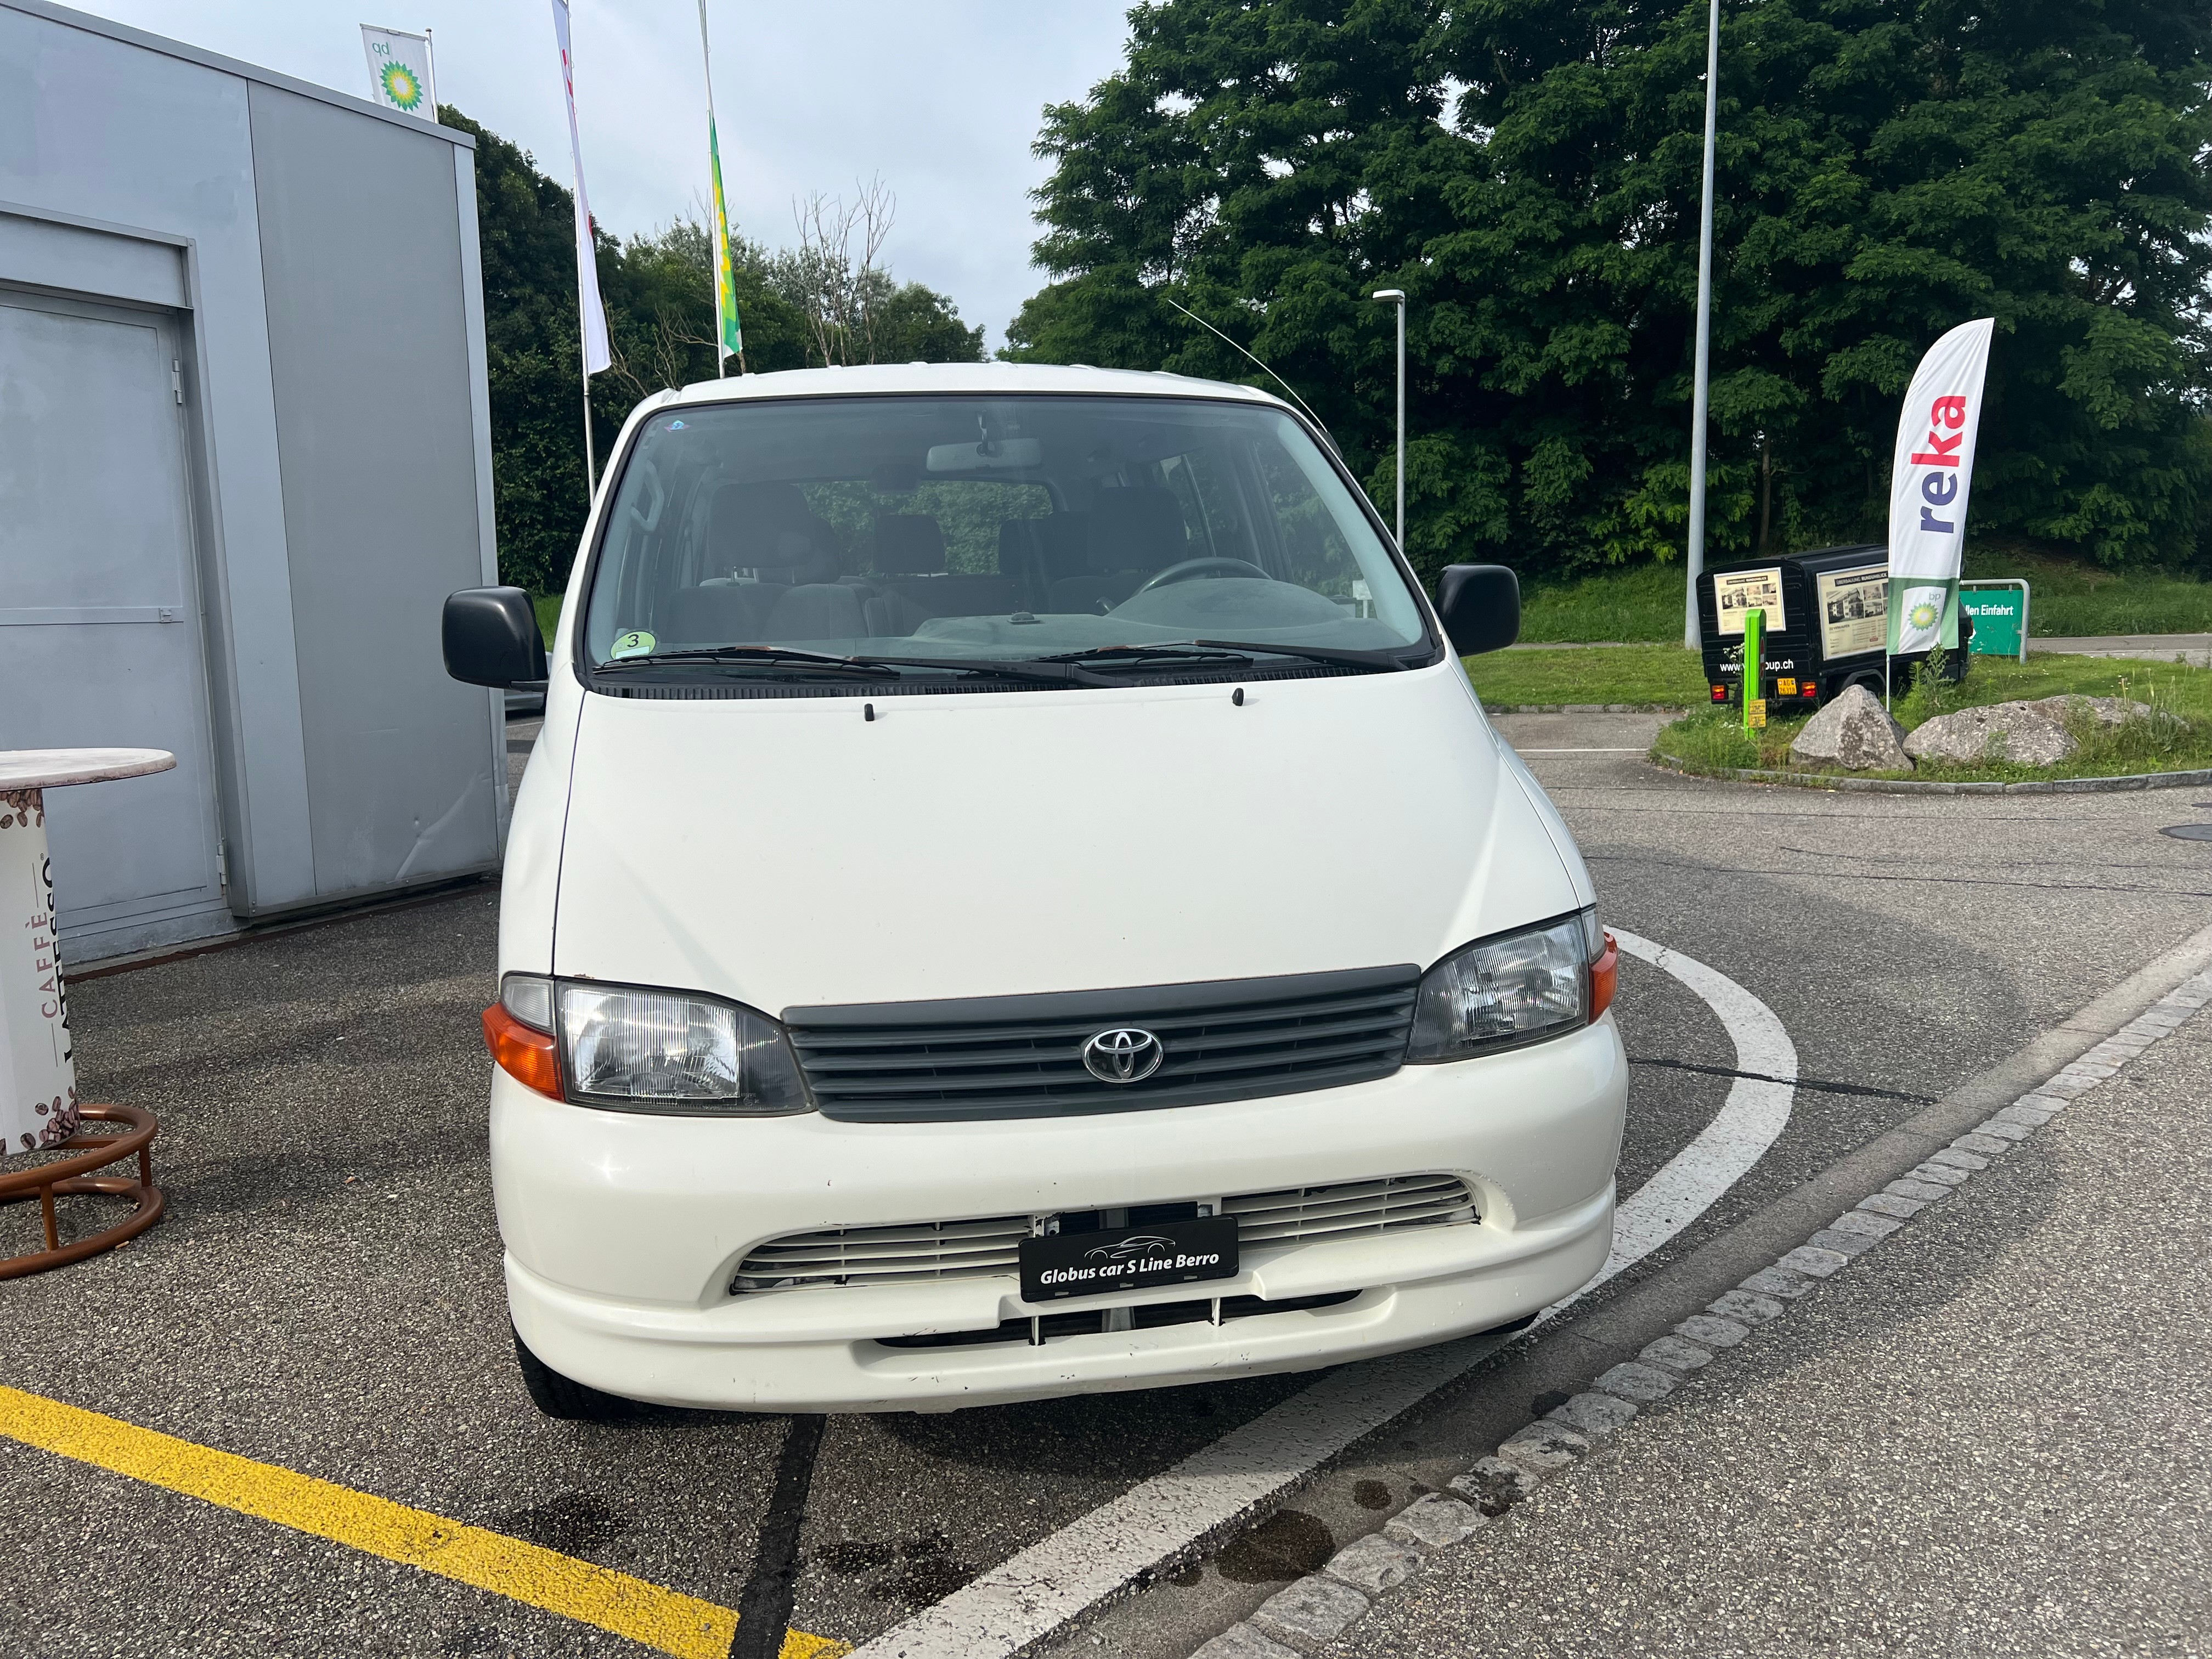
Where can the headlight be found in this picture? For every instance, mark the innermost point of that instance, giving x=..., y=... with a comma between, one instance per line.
x=645, y=1050
x=1516, y=988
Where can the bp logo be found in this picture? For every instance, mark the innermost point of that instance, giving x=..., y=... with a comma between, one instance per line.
x=1923, y=614
x=400, y=86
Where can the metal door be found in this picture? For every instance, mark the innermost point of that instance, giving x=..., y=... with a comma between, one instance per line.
x=101, y=639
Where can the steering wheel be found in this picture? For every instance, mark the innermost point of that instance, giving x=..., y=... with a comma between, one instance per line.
x=1189, y=569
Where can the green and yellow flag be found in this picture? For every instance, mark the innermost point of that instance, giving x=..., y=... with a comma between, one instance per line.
x=728, y=330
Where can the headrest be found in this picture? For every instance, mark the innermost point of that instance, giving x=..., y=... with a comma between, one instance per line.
x=768, y=527
x=1136, y=530
x=908, y=545
x=1056, y=541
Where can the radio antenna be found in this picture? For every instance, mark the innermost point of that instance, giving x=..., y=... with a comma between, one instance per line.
x=1264, y=369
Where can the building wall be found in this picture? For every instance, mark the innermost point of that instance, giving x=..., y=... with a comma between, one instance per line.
x=369, y=349
x=340, y=492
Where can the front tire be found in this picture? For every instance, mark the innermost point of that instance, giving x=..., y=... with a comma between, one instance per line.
x=564, y=1398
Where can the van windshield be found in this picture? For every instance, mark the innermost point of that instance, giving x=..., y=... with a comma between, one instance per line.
x=940, y=532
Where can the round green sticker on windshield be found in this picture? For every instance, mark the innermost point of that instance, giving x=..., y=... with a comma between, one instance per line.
x=637, y=643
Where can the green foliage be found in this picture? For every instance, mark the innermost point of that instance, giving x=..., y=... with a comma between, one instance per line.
x=1885, y=171
x=659, y=292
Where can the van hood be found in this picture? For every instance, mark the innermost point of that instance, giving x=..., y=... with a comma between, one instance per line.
x=790, y=851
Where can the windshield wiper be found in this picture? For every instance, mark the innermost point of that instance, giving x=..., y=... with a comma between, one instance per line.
x=1389, y=660
x=864, y=668
x=764, y=654
x=1228, y=652
x=1061, y=673
x=1170, y=651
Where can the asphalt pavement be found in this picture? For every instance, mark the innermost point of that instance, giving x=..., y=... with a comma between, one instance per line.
x=1992, y=1435
x=2195, y=649
x=325, y=1296
x=1907, y=943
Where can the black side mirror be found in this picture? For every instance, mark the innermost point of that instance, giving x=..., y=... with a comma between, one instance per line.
x=1480, y=605
x=491, y=638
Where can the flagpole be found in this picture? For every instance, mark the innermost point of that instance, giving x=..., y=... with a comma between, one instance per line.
x=591, y=461
x=706, y=69
x=430, y=51
x=594, y=351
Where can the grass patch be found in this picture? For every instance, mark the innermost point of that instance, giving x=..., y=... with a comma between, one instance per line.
x=549, y=615
x=1663, y=674
x=2177, y=738
x=2074, y=600
x=2066, y=597
x=1640, y=605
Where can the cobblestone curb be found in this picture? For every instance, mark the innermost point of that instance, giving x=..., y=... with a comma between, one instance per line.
x=1316, y=1609
x=1908, y=787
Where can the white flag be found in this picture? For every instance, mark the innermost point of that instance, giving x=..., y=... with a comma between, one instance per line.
x=399, y=71
x=1929, y=478
x=596, y=356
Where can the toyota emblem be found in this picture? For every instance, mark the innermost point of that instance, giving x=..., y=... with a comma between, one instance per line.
x=1126, y=1056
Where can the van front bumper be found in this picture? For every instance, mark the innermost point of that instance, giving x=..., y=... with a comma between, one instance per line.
x=623, y=1232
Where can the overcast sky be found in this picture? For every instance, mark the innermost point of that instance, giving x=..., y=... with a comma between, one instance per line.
x=941, y=97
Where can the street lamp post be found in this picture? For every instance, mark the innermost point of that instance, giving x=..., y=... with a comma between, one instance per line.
x=1396, y=296
x=1703, y=387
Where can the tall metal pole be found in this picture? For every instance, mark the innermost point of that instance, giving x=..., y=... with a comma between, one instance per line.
x=1397, y=296
x=591, y=460
x=1700, y=397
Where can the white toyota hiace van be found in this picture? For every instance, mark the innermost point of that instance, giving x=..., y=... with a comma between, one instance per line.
x=1015, y=895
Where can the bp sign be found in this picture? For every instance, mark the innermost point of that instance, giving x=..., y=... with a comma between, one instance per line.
x=2000, y=612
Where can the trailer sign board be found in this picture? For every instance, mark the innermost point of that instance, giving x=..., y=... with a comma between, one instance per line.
x=1736, y=592
x=1854, y=607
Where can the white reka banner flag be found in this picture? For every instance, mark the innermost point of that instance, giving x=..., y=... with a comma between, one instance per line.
x=596, y=356
x=399, y=71
x=1929, y=477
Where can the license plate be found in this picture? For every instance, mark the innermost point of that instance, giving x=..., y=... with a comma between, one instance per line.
x=1060, y=1265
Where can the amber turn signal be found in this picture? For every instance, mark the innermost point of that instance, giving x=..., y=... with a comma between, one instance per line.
x=526, y=1054
x=1605, y=975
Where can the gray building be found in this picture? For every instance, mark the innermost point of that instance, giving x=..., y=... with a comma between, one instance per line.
x=245, y=453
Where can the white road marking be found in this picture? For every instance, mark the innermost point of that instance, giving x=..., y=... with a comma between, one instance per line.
x=1747, y=1123
x=1059, y=1577
x=1638, y=750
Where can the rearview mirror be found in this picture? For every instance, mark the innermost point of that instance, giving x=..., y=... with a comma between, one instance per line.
x=1005, y=455
x=491, y=638
x=1480, y=607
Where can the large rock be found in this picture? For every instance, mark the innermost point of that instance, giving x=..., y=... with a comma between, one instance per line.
x=2031, y=733
x=2107, y=711
x=1854, y=731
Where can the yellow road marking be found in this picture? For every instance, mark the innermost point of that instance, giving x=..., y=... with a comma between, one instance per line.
x=665, y=1618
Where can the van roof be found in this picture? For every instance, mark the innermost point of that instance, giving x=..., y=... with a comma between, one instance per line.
x=991, y=377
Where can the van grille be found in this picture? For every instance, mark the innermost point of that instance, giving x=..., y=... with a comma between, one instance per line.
x=1021, y=1056
x=975, y=1249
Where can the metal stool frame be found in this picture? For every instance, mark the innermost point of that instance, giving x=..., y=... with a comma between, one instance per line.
x=73, y=1177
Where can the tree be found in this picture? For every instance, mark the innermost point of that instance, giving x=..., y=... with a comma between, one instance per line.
x=659, y=293
x=855, y=313
x=1527, y=171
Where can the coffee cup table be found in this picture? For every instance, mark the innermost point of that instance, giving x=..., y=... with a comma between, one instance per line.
x=41, y=1117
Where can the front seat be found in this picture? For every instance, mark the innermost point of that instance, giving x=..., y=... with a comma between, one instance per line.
x=1131, y=533
x=768, y=529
